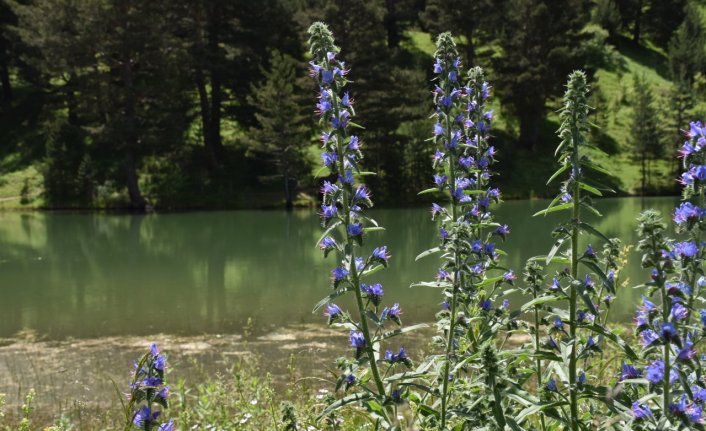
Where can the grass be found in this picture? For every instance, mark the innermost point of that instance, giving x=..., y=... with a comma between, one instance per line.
x=245, y=398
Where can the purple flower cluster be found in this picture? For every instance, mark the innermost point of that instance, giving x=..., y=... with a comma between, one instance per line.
x=344, y=202
x=148, y=394
x=463, y=162
x=667, y=333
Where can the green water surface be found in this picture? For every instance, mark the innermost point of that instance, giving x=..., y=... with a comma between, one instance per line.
x=90, y=275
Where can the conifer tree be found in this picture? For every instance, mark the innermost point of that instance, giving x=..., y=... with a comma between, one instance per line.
x=281, y=134
x=645, y=133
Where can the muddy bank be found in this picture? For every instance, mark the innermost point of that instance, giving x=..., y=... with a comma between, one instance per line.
x=84, y=373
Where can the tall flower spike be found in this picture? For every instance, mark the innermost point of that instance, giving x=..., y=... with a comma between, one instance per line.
x=463, y=162
x=149, y=395
x=569, y=285
x=669, y=340
x=345, y=200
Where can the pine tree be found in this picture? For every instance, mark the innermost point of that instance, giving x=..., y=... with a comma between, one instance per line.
x=645, y=132
x=282, y=132
x=386, y=90
x=686, y=60
x=541, y=43
x=472, y=19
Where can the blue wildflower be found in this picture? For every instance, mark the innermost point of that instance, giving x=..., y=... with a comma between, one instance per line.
x=381, y=254
x=438, y=67
x=679, y=312
x=687, y=212
x=357, y=339
x=440, y=180
x=327, y=243
x=355, y=229
x=436, y=209
x=392, y=313
x=551, y=385
x=339, y=273
x=328, y=211
x=485, y=304
x=648, y=337
x=640, y=411
x=654, y=372
x=333, y=311
x=168, y=426
x=361, y=193
x=687, y=352
x=503, y=230
x=629, y=372
x=347, y=177
x=669, y=332
x=144, y=416
x=373, y=291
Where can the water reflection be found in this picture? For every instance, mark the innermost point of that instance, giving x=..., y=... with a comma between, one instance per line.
x=86, y=275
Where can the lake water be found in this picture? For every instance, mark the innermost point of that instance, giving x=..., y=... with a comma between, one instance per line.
x=90, y=275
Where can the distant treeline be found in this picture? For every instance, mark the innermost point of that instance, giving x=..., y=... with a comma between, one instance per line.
x=204, y=103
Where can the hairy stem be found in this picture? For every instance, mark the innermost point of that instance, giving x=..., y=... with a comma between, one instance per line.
x=350, y=246
x=576, y=213
x=456, y=281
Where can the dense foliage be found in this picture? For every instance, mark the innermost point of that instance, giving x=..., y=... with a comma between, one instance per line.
x=139, y=104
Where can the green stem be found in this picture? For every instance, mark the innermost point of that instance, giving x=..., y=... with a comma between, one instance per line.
x=576, y=213
x=536, y=348
x=456, y=280
x=350, y=245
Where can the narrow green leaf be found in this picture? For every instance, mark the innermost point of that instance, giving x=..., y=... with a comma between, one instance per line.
x=591, y=209
x=538, y=301
x=561, y=207
x=396, y=332
x=352, y=398
x=328, y=299
x=557, y=246
x=427, y=191
x=327, y=231
x=558, y=172
x=427, y=253
x=615, y=339
x=590, y=229
x=590, y=189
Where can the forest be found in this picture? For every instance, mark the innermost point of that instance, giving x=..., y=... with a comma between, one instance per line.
x=200, y=104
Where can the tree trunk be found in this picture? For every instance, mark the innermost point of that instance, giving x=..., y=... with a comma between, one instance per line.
x=530, y=121
x=638, y=22
x=470, y=47
x=206, y=120
x=5, y=79
x=137, y=201
x=393, y=36
x=644, y=174
x=212, y=130
x=289, y=201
